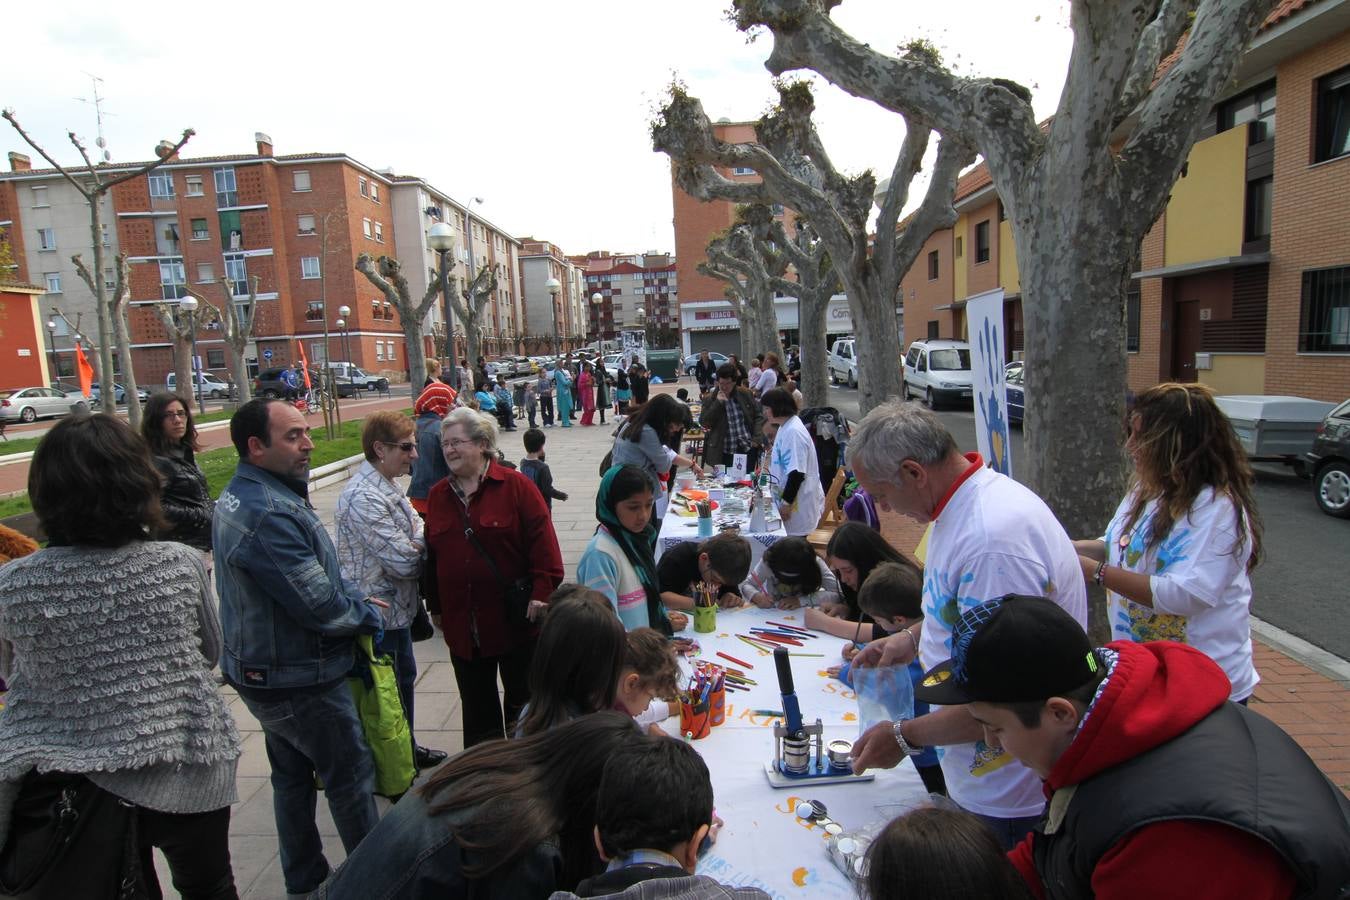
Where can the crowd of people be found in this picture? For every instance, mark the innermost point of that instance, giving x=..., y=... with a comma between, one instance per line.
x=1129, y=769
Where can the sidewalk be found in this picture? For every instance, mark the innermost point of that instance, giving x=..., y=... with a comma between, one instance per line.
x=1312, y=707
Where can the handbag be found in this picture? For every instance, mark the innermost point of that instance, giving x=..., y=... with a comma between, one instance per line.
x=515, y=594
x=58, y=816
x=374, y=687
x=421, y=628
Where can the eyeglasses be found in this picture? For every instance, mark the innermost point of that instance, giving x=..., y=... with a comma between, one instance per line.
x=455, y=443
x=405, y=446
x=176, y=414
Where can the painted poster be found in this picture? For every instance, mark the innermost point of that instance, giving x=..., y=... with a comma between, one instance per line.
x=984, y=314
x=634, y=348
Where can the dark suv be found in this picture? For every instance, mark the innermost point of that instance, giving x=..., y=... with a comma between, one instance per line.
x=268, y=382
x=1329, y=463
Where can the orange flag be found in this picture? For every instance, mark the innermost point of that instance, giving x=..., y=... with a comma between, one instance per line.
x=304, y=362
x=84, y=370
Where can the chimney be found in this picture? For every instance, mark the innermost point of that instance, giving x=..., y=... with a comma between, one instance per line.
x=264, y=143
x=19, y=162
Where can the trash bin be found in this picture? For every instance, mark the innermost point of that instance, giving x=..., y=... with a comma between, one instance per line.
x=664, y=363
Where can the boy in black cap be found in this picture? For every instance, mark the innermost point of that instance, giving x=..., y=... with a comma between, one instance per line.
x=1158, y=785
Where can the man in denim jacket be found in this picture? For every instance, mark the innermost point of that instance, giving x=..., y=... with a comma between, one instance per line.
x=290, y=622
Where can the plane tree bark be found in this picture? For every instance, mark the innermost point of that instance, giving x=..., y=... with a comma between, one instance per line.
x=387, y=276
x=816, y=283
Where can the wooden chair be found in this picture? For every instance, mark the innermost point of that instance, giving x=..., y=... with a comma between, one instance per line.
x=831, y=518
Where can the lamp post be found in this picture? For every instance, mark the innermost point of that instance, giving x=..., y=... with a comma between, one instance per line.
x=441, y=238
x=596, y=301
x=189, y=305
x=344, y=313
x=51, y=342
x=554, y=286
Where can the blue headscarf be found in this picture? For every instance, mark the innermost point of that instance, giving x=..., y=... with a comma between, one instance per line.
x=639, y=548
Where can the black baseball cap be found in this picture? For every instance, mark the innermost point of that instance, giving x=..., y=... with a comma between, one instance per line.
x=1011, y=650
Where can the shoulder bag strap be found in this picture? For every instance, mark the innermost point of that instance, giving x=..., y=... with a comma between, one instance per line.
x=496, y=573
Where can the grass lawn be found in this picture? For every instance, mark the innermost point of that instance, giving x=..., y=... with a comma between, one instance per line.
x=219, y=464
x=29, y=444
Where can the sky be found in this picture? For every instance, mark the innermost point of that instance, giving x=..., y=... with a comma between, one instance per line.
x=540, y=108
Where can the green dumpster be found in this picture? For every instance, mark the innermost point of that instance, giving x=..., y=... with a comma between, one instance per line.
x=664, y=363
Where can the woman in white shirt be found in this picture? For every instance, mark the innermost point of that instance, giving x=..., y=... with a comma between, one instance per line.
x=793, y=465
x=1177, y=555
x=769, y=375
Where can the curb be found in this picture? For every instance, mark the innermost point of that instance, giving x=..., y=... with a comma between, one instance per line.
x=1322, y=661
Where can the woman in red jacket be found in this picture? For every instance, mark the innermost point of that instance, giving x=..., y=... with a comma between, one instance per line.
x=489, y=538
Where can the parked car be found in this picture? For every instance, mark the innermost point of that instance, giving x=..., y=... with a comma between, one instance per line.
x=1014, y=384
x=349, y=379
x=526, y=366
x=611, y=364
x=32, y=403
x=505, y=366
x=843, y=362
x=119, y=393
x=938, y=371
x=690, y=361
x=1329, y=463
x=212, y=386
x=268, y=382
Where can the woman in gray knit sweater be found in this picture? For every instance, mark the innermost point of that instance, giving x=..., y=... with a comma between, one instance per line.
x=108, y=640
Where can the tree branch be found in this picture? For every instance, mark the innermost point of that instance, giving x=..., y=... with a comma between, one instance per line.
x=936, y=211
x=8, y=116
x=168, y=155
x=1159, y=38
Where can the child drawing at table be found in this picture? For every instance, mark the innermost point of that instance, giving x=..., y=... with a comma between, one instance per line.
x=789, y=575
x=650, y=673
x=620, y=560
x=722, y=560
x=853, y=552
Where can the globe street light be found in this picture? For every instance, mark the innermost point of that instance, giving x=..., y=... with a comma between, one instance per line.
x=596, y=300
x=554, y=286
x=189, y=305
x=51, y=338
x=441, y=238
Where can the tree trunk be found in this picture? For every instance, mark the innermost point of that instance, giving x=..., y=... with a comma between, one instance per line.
x=815, y=383
x=415, y=354
x=473, y=337
x=105, y=373
x=123, y=332
x=877, y=331
x=239, y=371
x=182, y=364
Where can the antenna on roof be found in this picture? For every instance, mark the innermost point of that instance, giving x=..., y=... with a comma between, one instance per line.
x=98, y=115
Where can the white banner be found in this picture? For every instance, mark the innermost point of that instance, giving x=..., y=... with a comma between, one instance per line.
x=984, y=316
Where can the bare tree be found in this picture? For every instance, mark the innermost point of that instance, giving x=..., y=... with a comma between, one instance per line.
x=1080, y=194
x=93, y=186
x=179, y=327
x=391, y=282
x=797, y=171
x=469, y=305
x=743, y=258
x=816, y=283
x=237, y=326
x=116, y=306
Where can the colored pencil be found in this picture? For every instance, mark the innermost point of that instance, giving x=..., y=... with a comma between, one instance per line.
x=806, y=654
x=734, y=659
x=802, y=631
x=783, y=634
x=767, y=712
x=733, y=686
x=777, y=639
x=754, y=643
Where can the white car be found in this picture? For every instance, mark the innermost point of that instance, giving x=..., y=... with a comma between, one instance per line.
x=939, y=372
x=843, y=362
x=32, y=403
x=211, y=385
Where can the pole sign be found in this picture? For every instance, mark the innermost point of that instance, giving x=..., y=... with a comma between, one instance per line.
x=267, y=354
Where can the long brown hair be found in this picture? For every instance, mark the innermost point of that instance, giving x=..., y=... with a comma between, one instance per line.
x=529, y=790
x=152, y=425
x=1183, y=443
x=940, y=853
x=577, y=661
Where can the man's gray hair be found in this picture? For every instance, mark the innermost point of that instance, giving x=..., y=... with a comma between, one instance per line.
x=894, y=432
x=480, y=427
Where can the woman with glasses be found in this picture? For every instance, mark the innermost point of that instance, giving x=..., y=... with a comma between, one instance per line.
x=380, y=547
x=185, y=501
x=490, y=543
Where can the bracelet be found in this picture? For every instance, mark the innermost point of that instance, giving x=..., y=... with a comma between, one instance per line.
x=1101, y=570
x=910, y=635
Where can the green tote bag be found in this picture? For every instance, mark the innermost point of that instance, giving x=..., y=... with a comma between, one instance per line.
x=375, y=692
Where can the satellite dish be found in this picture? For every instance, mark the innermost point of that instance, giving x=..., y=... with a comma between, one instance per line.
x=107, y=157
x=101, y=142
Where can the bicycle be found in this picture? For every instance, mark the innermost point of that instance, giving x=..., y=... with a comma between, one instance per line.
x=312, y=400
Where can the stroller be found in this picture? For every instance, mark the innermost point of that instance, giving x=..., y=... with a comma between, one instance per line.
x=829, y=433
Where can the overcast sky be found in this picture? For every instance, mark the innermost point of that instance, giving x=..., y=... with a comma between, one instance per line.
x=541, y=108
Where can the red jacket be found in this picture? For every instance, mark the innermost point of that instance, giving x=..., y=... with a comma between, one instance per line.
x=512, y=523
x=1156, y=692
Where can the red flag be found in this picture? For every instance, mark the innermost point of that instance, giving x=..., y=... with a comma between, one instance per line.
x=84, y=370
x=304, y=362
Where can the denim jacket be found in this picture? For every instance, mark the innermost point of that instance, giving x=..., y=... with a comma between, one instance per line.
x=288, y=617
x=430, y=466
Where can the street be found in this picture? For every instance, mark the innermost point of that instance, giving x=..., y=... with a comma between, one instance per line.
x=1301, y=584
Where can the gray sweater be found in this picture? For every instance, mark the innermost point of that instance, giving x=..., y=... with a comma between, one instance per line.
x=111, y=651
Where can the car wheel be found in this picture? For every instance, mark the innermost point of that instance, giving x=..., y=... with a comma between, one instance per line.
x=29, y=414
x=929, y=399
x=833, y=380
x=852, y=378
x=1331, y=487
x=216, y=395
x=270, y=394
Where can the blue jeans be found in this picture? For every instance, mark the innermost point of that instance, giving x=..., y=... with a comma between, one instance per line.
x=308, y=734
x=398, y=644
x=1010, y=831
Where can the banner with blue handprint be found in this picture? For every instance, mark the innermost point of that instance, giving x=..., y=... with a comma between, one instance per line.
x=984, y=315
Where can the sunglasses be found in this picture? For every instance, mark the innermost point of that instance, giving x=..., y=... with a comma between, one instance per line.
x=405, y=446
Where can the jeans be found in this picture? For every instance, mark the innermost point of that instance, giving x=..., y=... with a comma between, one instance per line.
x=1010, y=832
x=197, y=847
x=546, y=410
x=530, y=410
x=399, y=645
x=305, y=734
x=480, y=708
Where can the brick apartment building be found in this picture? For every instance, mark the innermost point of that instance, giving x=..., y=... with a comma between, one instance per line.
x=1244, y=282
x=625, y=283
x=294, y=223
x=551, y=323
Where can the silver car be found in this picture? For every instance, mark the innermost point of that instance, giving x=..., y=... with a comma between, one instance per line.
x=32, y=403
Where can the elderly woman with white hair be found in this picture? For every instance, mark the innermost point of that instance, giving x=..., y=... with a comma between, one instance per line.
x=493, y=558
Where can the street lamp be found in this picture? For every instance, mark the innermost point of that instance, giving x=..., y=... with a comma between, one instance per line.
x=554, y=286
x=596, y=301
x=344, y=312
x=441, y=238
x=189, y=305
x=51, y=339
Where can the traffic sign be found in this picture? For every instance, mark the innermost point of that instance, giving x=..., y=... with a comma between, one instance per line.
x=267, y=354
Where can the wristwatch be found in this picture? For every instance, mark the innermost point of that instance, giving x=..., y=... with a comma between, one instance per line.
x=905, y=746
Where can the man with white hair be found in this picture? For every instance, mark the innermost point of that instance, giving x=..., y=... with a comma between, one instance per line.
x=990, y=536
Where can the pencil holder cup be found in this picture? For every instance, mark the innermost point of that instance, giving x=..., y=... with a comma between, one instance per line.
x=705, y=619
x=695, y=720
x=705, y=528
x=717, y=703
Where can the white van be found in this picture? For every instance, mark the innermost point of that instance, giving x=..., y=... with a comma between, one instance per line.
x=843, y=362
x=211, y=386
x=938, y=371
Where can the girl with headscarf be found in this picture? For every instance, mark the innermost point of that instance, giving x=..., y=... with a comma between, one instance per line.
x=586, y=391
x=562, y=379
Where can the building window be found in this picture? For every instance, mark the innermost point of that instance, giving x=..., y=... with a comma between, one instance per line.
x=1333, y=116
x=379, y=350
x=959, y=250
x=365, y=227
x=227, y=191
x=742, y=170
x=363, y=186
x=375, y=191
x=776, y=209
x=379, y=232
x=161, y=186
x=932, y=330
x=309, y=267
x=389, y=353
x=1257, y=214
x=194, y=185
x=53, y=280
x=172, y=279
x=106, y=241
x=206, y=273
x=40, y=197
x=301, y=181
x=1256, y=106
x=932, y=265
x=305, y=225
x=46, y=239
x=1132, y=307
x=314, y=311
x=199, y=231
x=982, y=242
x=1324, y=322
x=236, y=273
x=215, y=359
